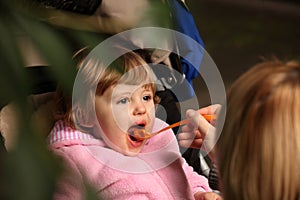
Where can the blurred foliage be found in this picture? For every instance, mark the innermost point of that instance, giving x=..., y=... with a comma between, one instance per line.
x=28, y=172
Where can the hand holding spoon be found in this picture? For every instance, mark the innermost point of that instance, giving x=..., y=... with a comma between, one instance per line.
x=142, y=134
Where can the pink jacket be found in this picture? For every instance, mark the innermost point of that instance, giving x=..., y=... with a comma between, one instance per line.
x=158, y=172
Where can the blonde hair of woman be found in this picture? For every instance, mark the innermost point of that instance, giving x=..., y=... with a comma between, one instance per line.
x=259, y=148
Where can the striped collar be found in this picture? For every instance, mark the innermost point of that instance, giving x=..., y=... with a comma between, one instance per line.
x=62, y=132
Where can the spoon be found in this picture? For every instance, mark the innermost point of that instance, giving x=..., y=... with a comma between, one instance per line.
x=142, y=134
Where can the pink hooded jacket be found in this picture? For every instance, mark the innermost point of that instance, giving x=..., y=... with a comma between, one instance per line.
x=158, y=172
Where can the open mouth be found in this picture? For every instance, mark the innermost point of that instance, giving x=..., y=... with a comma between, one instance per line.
x=132, y=132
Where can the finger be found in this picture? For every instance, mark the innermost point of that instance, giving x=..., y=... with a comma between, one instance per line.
x=198, y=121
x=186, y=136
x=193, y=117
x=191, y=143
x=188, y=128
x=198, y=134
x=185, y=143
x=194, y=134
x=193, y=140
x=197, y=143
x=212, y=109
x=203, y=126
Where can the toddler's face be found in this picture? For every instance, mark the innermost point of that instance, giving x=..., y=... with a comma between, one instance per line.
x=122, y=108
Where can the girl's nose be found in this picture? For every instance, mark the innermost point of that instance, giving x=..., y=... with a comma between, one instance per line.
x=139, y=108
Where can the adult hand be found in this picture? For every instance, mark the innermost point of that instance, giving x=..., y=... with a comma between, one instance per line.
x=207, y=196
x=199, y=132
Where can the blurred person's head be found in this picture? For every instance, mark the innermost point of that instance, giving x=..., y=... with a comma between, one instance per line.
x=259, y=148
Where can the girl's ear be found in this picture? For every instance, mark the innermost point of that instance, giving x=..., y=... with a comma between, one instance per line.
x=82, y=118
x=156, y=99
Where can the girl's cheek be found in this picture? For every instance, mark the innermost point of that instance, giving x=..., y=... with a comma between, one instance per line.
x=153, y=110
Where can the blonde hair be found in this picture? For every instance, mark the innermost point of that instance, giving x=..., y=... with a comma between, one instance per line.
x=259, y=148
x=96, y=78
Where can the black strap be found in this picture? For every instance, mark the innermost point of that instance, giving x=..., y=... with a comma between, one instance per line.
x=213, y=178
x=86, y=7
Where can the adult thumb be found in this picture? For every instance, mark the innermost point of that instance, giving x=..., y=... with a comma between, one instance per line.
x=198, y=121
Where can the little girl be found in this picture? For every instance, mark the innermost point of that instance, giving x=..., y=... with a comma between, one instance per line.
x=92, y=138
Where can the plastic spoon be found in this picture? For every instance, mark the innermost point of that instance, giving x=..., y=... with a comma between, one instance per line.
x=142, y=134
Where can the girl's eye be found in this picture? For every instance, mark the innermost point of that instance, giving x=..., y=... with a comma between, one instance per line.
x=123, y=101
x=147, y=98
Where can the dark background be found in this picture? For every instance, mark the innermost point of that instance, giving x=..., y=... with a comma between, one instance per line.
x=239, y=33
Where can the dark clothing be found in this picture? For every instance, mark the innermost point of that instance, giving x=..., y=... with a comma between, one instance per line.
x=213, y=178
x=169, y=112
x=184, y=23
